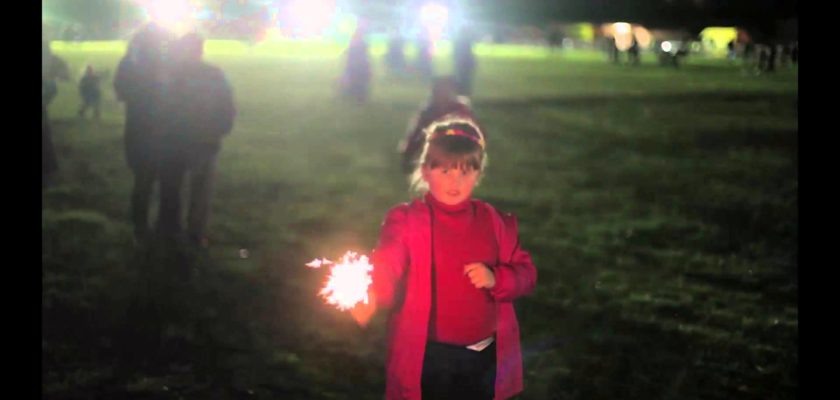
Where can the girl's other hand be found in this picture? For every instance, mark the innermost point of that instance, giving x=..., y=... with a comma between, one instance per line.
x=480, y=275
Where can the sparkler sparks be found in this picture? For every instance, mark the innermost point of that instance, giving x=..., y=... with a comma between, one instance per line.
x=348, y=281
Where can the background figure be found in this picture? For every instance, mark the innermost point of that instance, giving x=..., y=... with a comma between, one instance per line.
x=772, y=55
x=53, y=68
x=444, y=100
x=464, y=62
x=784, y=55
x=90, y=92
x=763, y=57
x=49, y=161
x=355, y=82
x=633, y=52
x=749, y=57
x=555, y=39
x=423, y=64
x=612, y=50
x=395, y=57
x=199, y=112
x=730, y=50
x=139, y=84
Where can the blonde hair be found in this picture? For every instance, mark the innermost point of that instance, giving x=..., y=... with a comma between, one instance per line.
x=447, y=152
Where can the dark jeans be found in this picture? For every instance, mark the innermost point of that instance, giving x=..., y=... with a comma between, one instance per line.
x=142, y=153
x=141, y=196
x=90, y=101
x=200, y=163
x=455, y=372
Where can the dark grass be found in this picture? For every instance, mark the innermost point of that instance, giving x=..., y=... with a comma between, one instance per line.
x=660, y=207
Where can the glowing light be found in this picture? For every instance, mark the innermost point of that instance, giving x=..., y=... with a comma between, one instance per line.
x=718, y=37
x=715, y=39
x=666, y=46
x=623, y=34
x=642, y=35
x=621, y=28
x=348, y=282
x=174, y=15
x=346, y=24
x=581, y=31
x=273, y=33
x=310, y=17
x=434, y=18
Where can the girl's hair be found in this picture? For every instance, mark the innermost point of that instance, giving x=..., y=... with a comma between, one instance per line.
x=453, y=142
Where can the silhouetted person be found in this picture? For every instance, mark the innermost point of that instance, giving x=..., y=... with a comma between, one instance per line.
x=355, y=82
x=464, y=62
x=139, y=84
x=555, y=39
x=730, y=49
x=90, y=92
x=681, y=52
x=633, y=52
x=612, y=49
x=763, y=58
x=749, y=55
x=771, y=58
x=199, y=113
x=784, y=57
x=444, y=100
x=52, y=68
x=424, y=56
x=749, y=50
x=395, y=56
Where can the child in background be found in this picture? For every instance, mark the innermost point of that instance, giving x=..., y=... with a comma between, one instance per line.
x=90, y=92
x=444, y=100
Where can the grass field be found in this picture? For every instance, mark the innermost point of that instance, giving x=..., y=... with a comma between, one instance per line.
x=659, y=204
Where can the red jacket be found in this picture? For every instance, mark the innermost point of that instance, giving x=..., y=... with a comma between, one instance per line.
x=402, y=283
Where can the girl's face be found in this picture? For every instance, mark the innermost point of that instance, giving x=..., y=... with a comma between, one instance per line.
x=450, y=185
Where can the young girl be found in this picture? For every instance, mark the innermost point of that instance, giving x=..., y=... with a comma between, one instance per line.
x=448, y=268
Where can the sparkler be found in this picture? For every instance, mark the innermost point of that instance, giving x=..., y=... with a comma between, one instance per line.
x=348, y=281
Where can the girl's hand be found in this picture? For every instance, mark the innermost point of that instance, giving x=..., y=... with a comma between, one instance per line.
x=362, y=313
x=480, y=275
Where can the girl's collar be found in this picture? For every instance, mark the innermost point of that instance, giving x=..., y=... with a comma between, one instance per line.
x=432, y=201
